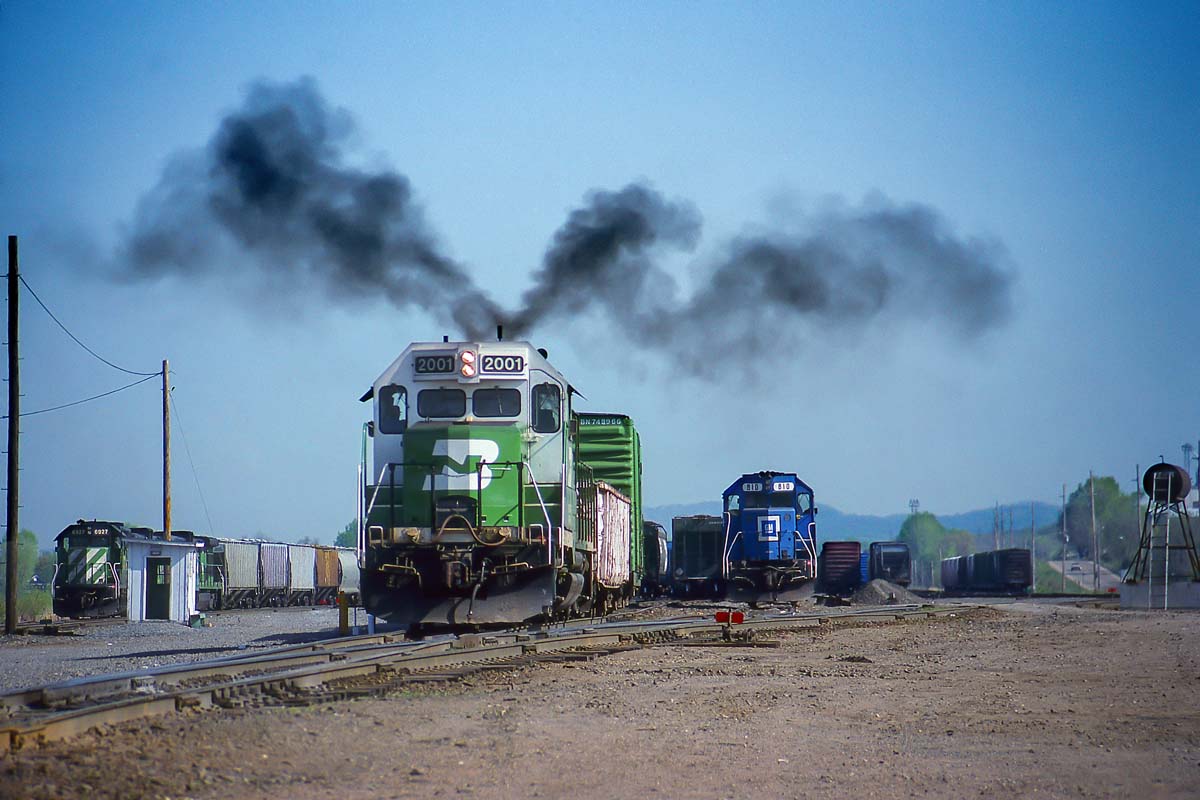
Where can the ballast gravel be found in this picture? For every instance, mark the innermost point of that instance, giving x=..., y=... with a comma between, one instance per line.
x=108, y=647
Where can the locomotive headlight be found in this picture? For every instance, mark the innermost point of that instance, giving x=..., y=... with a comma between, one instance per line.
x=467, y=359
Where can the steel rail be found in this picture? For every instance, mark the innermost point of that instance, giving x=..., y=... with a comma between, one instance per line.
x=293, y=671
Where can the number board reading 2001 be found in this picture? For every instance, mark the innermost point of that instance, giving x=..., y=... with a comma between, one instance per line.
x=502, y=365
x=433, y=365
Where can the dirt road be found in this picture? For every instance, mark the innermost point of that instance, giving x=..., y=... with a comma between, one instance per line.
x=1030, y=701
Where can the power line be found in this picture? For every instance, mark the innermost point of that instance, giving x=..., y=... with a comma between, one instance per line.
x=86, y=399
x=76, y=340
x=188, y=450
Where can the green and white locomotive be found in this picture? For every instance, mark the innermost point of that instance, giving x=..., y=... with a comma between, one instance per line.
x=486, y=500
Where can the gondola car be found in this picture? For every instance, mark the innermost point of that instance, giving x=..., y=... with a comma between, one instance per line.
x=485, y=499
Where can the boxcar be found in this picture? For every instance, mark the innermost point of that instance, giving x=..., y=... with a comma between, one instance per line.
x=838, y=570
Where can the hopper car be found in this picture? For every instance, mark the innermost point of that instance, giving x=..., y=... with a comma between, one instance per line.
x=486, y=499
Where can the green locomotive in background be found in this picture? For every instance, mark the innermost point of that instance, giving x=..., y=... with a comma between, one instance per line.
x=486, y=499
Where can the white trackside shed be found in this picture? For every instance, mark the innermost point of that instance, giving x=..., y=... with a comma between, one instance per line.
x=162, y=580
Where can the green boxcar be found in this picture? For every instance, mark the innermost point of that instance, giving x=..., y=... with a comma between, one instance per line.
x=610, y=446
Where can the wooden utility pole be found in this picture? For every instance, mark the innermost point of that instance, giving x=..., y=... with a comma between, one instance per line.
x=1033, y=545
x=14, y=432
x=1064, y=535
x=1095, y=554
x=166, y=390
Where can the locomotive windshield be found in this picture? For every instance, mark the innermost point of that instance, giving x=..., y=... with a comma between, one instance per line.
x=443, y=403
x=496, y=402
x=804, y=503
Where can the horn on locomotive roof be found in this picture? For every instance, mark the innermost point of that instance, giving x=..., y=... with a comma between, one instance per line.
x=499, y=333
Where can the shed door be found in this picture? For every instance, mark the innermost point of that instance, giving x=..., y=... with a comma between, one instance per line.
x=158, y=588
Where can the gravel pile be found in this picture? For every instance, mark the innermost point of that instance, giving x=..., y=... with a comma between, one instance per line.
x=37, y=660
x=882, y=593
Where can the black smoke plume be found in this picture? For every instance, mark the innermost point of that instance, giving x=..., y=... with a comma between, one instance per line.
x=273, y=189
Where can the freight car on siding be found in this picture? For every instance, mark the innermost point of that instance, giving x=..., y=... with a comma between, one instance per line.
x=486, y=500
x=91, y=573
x=890, y=561
x=770, y=542
x=656, y=558
x=697, y=546
x=839, y=567
x=1008, y=571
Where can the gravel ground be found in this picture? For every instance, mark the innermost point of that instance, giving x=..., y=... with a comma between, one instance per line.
x=1033, y=700
x=104, y=648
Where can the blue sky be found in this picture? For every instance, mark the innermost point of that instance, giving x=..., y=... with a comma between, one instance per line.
x=1066, y=132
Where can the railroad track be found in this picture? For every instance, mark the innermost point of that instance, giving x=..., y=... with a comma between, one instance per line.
x=372, y=664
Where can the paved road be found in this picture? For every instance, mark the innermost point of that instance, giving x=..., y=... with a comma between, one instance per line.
x=1080, y=572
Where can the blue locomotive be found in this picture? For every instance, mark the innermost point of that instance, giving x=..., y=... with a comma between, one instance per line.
x=770, y=542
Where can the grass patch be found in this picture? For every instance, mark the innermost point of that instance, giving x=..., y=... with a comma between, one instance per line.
x=32, y=605
x=1049, y=581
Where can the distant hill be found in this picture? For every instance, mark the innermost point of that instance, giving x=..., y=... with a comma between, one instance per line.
x=833, y=523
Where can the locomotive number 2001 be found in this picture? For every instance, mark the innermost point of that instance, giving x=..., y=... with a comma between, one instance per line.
x=426, y=365
x=503, y=364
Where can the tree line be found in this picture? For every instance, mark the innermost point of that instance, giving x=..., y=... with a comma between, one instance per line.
x=1117, y=529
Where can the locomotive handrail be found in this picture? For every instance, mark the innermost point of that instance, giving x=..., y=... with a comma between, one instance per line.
x=116, y=579
x=727, y=547
x=810, y=544
x=546, y=515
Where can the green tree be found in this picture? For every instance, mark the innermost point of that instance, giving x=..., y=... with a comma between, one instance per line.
x=1116, y=522
x=929, y=540
x=27, y=556
x=44, y=568
x=348, y=536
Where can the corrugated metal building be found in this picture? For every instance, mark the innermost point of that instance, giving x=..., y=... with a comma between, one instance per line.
x=162, y=580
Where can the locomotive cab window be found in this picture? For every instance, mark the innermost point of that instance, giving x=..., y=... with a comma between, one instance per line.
x=393, y=409
x=804, y=503
x=496, y=402
x=781, y=499
x=734, y=503
x=547, y=405
x=444, y=403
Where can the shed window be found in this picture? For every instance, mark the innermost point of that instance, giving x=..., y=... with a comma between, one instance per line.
x=547, y=408
x=441, y=402
x=393, y=409
x=496, y=402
